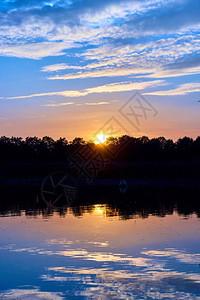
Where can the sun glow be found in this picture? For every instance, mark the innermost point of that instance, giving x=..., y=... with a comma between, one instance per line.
x=99, y=210
x=101, y=138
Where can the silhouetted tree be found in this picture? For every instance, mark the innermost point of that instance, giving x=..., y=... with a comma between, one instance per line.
x=129, y=149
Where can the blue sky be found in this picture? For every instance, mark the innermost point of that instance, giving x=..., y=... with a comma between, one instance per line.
x=67, y=66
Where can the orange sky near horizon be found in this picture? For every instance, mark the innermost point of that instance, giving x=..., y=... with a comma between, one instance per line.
x=172, y=121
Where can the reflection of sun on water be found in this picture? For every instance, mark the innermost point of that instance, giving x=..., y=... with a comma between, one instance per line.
x=101, y=138
x=99, y=210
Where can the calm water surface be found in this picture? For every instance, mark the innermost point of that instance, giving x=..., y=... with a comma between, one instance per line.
x=99, y=255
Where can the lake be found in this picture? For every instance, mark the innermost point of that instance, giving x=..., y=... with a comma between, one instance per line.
x=101, y=250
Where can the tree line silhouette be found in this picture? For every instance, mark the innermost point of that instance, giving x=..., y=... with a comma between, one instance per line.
x=131, y=149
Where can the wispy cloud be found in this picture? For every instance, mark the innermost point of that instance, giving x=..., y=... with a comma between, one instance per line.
x=161, y=58
x=59, y=104
x=58, y=67
x=72, y=103
x=33, y=50
x=34, y=31
x=167, y=73
x=108, y=72
x=181, y=90
x=108, y=88
x=97, y=103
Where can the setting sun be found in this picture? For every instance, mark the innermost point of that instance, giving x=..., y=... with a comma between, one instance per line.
x=101, y=138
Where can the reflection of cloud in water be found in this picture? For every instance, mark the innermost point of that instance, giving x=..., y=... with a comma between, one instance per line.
x=109, y=257
x=61, y=241
x=29, y=294
x=59, y=278
x=124, y=277
x=66, y=242
x=99, y=244
x=173, y=253
x=96, y=256
x=122, y=284
x=153, y=281
x=10, y=246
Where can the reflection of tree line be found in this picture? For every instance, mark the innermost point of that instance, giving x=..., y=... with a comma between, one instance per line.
x=134, y=204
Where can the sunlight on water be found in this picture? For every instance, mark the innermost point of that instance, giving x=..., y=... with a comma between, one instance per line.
x=99, y=257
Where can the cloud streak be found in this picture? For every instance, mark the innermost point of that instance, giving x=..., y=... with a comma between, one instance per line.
x=58, y=67
x=183, y=89
x=72, y=103
x=108, y=88
x=59, y=104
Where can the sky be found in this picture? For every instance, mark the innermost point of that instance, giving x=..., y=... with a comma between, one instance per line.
x=83, y=68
